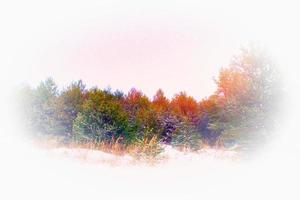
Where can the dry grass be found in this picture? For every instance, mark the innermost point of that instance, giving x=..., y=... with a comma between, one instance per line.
x=146, y=150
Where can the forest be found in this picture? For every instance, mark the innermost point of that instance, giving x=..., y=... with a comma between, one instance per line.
x=239, y=113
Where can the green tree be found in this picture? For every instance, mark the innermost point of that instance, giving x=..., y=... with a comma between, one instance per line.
x=186, y=137
x=102, y=119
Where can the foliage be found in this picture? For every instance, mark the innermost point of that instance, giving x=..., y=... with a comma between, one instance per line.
x=187, y=137
x=141, y=115
x=250, y=92
x=102, y=118
x=44, y=112
x=185, y=106
x=239, y=112
x=70, y=103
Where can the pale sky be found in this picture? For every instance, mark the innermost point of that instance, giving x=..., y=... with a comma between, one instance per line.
x=173, y=45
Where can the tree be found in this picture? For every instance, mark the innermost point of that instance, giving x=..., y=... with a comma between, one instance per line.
x=210, y=124
x=186, y=137
x=44, y=109
x=250, y=90
x=160, y=103
x=102, y=119
x=141, y=114
x=69, y=104
x=46, y=91
x=185, y=106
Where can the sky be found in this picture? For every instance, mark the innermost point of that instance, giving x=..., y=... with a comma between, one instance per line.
x=170, y=45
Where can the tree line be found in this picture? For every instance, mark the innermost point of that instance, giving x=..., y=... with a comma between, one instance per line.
x=239, y=112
